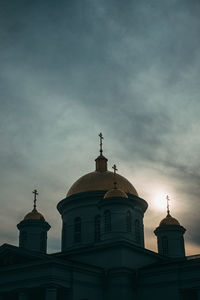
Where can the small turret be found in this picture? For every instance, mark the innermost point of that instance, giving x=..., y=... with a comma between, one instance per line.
x=170, y=236
x=118, y=215
x=33, y=230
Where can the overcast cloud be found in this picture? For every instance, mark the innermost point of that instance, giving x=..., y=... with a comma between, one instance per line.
x=74, y=68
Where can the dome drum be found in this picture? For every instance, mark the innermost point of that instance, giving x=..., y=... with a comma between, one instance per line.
x=80, y=199
x=168, y=228
x=34, y=223
x=97, y=197
x=33, y=234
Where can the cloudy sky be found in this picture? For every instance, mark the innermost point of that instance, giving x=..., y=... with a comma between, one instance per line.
x=70, y=69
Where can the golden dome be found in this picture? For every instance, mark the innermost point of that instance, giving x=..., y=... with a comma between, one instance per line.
x=169, y=220
x=101, y=181
x=34, y=215
x=115, y=193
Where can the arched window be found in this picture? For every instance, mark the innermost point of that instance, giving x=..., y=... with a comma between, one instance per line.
x=97, y=228
x=77, y=230
x=164, y=241
x=137, y=231
x=128, y=221
x=107, y=221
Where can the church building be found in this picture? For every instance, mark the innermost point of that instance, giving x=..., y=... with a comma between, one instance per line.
x=103, y=254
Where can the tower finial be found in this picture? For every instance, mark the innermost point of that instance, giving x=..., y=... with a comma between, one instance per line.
x=168, y=212
x=35, y=192
x=101, y=143
x=115, y=170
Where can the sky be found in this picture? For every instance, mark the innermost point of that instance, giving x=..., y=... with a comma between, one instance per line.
x=72, y=69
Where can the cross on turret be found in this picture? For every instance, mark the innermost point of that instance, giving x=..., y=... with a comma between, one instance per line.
x=101, y=143
x=35, y=192
x=167, y=197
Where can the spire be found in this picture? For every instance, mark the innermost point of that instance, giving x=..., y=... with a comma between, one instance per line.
x=167, y=198
x=101, y=161
x=35, y=192
x=115, y=180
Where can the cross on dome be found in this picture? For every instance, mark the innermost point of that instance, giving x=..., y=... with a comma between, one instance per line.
x=114, y=168
x=115, y=172
x=116, y=192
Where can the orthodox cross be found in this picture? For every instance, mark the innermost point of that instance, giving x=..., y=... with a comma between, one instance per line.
x=101, y=143
x=167, y=197
x=115, y=170
x=35, y=192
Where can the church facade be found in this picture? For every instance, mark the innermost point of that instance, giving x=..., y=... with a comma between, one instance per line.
x=102, y=255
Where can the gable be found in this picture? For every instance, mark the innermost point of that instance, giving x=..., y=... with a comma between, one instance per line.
x=112, y=255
